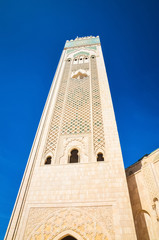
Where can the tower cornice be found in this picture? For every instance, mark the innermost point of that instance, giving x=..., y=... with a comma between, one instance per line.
x=82, y=41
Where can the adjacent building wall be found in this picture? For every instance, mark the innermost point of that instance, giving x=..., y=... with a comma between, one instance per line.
x=143, y=185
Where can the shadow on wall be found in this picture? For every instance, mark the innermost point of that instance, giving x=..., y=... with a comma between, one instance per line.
x=142, y=218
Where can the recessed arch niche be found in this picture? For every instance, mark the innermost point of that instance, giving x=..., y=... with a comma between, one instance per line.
x=79, y=143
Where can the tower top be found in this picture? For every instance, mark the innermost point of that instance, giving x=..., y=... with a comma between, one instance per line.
x=82, y=41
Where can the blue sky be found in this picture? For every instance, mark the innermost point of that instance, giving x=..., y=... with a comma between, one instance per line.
x=32, y=37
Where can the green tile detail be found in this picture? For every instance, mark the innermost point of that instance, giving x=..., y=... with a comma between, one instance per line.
x=80, y=53
x=82, y=42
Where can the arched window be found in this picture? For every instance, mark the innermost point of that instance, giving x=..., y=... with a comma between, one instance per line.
x=80, y=60
x=69, y=238
x=74, y=156
x=86, y=60
x=48, y=160
x=75, y=61
x=100, y=157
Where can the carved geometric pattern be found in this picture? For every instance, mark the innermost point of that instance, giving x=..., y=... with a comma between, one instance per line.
x=56, y=118
x=91, y=223
x=76, y=117
x=98, y=132
x=76, y=67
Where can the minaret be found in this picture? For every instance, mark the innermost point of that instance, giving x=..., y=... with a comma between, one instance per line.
x=74, y=185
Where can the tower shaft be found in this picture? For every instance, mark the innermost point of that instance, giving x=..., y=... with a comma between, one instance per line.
x=74, y=183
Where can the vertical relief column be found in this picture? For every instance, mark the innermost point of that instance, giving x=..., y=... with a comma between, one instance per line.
x=54, y=127
x=98, y=131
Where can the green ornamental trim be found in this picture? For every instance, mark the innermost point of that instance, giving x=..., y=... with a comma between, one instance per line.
x=81, y=53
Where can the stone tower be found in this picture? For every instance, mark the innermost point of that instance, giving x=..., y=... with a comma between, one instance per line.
x=74, y=185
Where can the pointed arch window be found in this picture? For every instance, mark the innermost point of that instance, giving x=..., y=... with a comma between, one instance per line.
x=80, y=60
